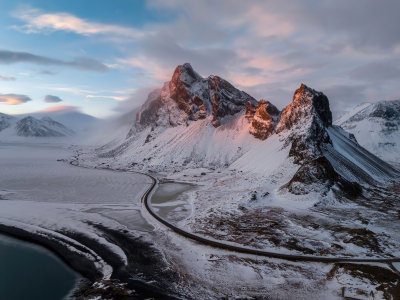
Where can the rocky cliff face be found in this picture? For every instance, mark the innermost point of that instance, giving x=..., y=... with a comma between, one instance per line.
x=190, y=97
x=264, y=119
x=307, y=104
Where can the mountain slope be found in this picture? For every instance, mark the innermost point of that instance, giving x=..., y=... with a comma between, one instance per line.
x=376, y=127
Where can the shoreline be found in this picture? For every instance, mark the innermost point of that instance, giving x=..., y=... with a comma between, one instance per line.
x=145, y=275
x=77, y=264
x=123, y=280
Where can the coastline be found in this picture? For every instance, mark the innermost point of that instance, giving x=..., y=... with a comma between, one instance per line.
x=146, y=273
x=143, y=258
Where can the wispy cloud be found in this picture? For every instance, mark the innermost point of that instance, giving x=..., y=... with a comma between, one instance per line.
x=83, y=63
x=52, y=99
x=5, y=78
x=118, y=98
x=38, y=21
x=14, y=99
x=46, y=72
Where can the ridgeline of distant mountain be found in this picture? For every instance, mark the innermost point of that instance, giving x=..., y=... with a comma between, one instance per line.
x=32, y=127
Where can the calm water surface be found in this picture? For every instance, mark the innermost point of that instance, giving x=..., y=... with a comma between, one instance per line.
x=31, y=272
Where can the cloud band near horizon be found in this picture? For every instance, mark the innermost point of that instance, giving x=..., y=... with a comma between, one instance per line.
x=83, y=63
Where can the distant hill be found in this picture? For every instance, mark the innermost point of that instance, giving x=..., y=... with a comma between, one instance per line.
x=376, y=127
x=32, y=127
x=44, y=127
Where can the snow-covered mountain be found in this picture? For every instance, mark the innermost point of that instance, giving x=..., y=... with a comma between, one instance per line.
x=44, y=127
x=32, y=127
x=194, y=122
x=376, y=126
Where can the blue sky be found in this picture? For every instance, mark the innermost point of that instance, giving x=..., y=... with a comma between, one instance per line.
x=102, y=57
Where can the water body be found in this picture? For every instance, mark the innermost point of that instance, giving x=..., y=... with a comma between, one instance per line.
x=171, y=202
x=31, y=272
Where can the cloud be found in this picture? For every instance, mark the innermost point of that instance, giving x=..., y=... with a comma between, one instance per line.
x=265, y=47
x=118, y=98
x=381, y=70
x=14, y=99
x=46, y=72
x=5, y=78
x=52, y=99
x=38, y=21
x=83, y=63
x=135, y=99
x=344, y=97
x=61, y=109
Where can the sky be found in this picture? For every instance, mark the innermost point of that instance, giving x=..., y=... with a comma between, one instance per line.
x=103, y=57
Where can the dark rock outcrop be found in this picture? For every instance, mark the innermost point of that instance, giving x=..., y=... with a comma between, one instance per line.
x=318, y=175
x=226, y=99
x=307, y=117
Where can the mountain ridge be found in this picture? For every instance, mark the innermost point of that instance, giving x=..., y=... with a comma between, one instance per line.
x=194, y=122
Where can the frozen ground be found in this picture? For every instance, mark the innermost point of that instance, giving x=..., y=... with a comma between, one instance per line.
x=82, y=214
x=97, y=213
x=246, y=208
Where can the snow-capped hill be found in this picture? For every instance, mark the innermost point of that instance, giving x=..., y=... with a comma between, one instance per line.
x=189, y=97
x=44, y=127
x=263, y=119
x=6, y=121
x=376, y=126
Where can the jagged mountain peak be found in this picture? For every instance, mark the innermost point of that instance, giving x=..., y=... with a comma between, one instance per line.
x=185, y=74
x=307, y=103
x=190, y=97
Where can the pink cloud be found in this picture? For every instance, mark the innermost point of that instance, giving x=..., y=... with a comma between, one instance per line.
x=61, y=108
x=14, y=99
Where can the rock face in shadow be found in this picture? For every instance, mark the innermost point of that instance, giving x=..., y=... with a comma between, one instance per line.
x=318, y=175
x=307, y=117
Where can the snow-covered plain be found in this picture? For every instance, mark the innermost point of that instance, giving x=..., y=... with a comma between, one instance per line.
x=41, y=192
x=45, y=195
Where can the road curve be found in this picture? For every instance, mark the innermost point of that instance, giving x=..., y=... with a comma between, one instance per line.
x=245, y=250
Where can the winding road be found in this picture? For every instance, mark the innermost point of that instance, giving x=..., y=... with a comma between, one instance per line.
x=245, y=250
